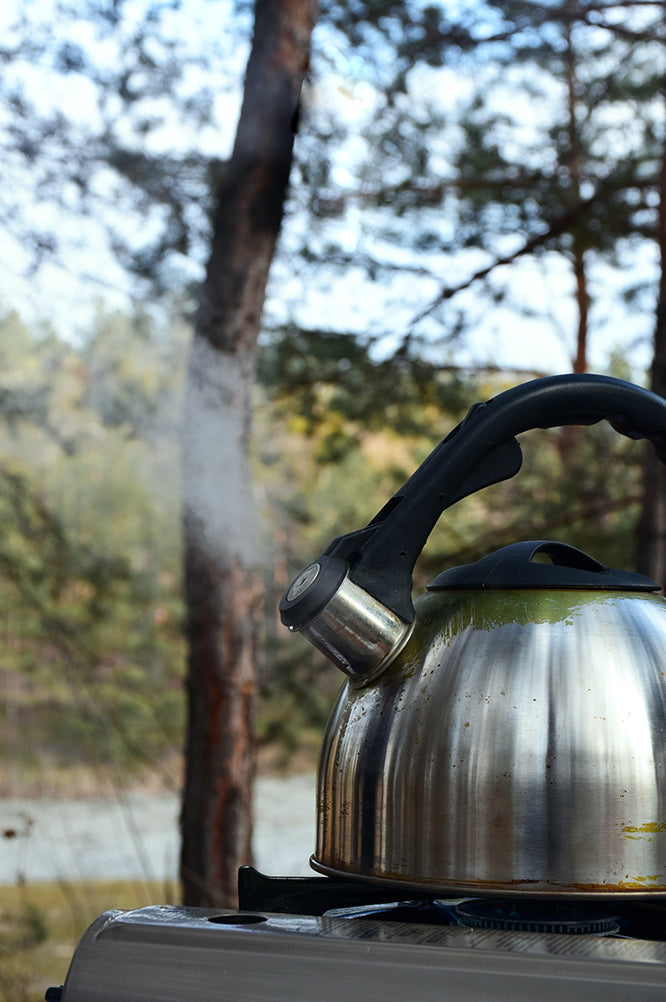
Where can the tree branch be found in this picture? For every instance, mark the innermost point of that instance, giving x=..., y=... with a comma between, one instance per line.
x=557, y=228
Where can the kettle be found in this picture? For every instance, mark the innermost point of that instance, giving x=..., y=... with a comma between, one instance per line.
x=505, y=733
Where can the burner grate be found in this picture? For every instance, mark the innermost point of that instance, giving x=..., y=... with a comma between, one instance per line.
x=537, y=916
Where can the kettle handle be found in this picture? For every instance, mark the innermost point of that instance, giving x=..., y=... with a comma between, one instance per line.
x=480, y=451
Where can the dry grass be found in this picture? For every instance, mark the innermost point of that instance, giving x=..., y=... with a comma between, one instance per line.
x=80, y=780
x=43, y=778
x=40, y=925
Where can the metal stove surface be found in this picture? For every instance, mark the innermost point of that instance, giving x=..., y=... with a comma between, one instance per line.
x=355, y=950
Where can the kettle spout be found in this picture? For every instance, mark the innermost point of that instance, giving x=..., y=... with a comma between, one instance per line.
x=359, y=634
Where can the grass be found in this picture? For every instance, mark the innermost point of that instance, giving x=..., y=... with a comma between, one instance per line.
x=40, y=925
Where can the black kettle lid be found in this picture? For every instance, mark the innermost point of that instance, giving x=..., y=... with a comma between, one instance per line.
x=561, y=566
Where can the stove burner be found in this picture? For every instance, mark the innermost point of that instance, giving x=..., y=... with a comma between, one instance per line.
x=636, y=918
x=536, y=916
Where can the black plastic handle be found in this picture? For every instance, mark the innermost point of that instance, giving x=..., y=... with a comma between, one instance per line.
x=480, y=451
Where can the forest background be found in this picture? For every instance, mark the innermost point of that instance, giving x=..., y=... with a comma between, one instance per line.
x=476, y=198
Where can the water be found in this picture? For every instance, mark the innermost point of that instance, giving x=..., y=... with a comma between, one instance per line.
x=136, y=836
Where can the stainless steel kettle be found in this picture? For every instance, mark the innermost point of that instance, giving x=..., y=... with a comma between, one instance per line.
x=507, y=733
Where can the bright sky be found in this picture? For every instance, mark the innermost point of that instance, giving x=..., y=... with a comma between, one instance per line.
x=64, y=289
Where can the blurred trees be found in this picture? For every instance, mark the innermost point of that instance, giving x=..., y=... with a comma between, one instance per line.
x=115, y=118
x=515, y=149
x=90, y=577
x=449, y=163
x=651, y=534
x=580, y=179
x=437, y=146
x=128, y=136
x=91, y=609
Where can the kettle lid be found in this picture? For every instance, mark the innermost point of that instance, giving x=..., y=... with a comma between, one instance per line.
x=518, y=566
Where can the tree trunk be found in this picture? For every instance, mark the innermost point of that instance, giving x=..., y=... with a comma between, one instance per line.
x=574, y=162
x=582, y=301
x=220, y=590
x=651, y=533
x=570, y=434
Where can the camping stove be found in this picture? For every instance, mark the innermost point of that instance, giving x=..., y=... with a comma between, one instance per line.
x=324, y=938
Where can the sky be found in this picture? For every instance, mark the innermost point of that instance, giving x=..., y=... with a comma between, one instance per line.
x=67, y=288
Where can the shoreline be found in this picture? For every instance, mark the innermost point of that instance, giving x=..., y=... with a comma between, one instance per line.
x=163, y=776
x=132, y=834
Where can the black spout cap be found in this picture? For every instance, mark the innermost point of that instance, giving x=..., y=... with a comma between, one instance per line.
x=311, y=591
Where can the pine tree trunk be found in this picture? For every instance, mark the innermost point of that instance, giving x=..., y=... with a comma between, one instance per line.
x=574, y=163
x=220, y=590
x=651, y=533
x=570, y=434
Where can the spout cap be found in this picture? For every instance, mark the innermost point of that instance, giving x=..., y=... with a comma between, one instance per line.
x=311, y=591
x=355, y=631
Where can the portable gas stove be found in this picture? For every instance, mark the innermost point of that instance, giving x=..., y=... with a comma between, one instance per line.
x=326, y=938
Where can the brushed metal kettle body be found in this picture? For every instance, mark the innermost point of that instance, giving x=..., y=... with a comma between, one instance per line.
x=517, y=745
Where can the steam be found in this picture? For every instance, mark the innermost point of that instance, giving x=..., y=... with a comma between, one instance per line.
x=216, y=487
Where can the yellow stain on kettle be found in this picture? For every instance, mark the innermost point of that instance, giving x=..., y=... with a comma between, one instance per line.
x=637, y=882
x=651, y=828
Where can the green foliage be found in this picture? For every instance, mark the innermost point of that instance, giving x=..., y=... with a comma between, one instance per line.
x=90, y=603
x=91, y=611
x=332, y=381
